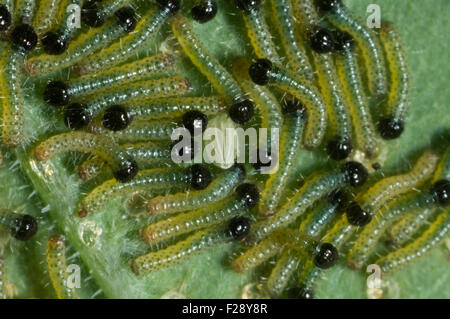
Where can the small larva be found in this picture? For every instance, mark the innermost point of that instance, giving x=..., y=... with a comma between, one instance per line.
x=220, y=187
x=258, y=31
x=94, y=13
x=284, y=269
x=263, y=72
x=219, y=77
x=320, y=219
x=308, y=277
x=144, y=32
x=157, y=178
x=12, y=96
x=83, y=46
x=411, y=203
x=22, y=227
x=46, y=16
x=60, y=93
x=430, y=238
x=143, y=153
x=367, y=41
x=361, y=211
x=406, y=228
x=349, y=74
x=246, y=197
x=315, y=187
x=24, y=11
x=292, y=43
x=123, y=166
x=391, y=125
x=179, y=252
x=290, y=140
x=79, y=115
x=172, y=107
x=141, y=131
x=57, y=268
x=443, y=169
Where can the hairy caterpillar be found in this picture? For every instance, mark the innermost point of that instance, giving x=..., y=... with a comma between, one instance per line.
x=57, y=268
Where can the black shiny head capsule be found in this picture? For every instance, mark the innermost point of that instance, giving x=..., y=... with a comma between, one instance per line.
x=259, y=165
x=53, y=43
x=127, y=170
x=172, y=5
x=294, y=106
x=338, y=197
x=26, y=227
x=241, y=112
x=205, y=11
x=355, y=173
x=238, y=227
x=441, y=191
x=327, y=256
x=91, y=15
x=116, y=118
x=23, y=36
x=343, y=41
x=248, y=5
x=356, y=216
x=301, y=292
x=195, y=121
x=390, y=128
x=5, y=18
x=259, y=71
x=201, y=176
x=338, y=148
x=57, y=93
x=249, y=193
x=322, y=40
x=127, y=18
x=76, y=116
x=326, y=5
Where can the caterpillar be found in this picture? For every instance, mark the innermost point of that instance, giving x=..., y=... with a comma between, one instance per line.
x=94, y=13
x=78, y=115
x=290, y=140
x=284, y=269
x=124, y=167
x=46, y=16
x=263, y=72
x=57, y=268
x=391, y=125
x=220, y=187
x=85, y=44
x=351, y=173
x=258, y=30
x=22, y=226
x=144, y=32
x=24, y=11
x=196, y=175
x=204, y=10
x=360, y=211
x=247, y=196
x=338, y=15
x=349, y=74
x=59, y=93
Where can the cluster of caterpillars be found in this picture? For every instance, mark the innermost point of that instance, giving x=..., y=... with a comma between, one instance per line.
x=312, y=87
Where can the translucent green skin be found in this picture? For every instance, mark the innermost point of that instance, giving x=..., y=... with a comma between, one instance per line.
x=319, y=220
x=178, y=252
x=306, y=93
x=349, y=74
x=219, y=188
x=12, y=100
x=83, y=46
x=108, y=7
x=24, y=10
x=164, y=87
x=310, y=274
x=295, y=52
x=157, y=178
x=211, y=215
x=46, y=16
x=430, y=238
x=145, y=31
x=290, y=140
x=284, y=269
x=313, y=189
x=369, y=44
